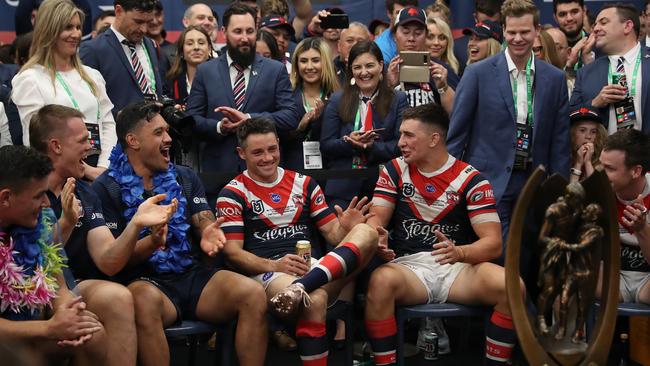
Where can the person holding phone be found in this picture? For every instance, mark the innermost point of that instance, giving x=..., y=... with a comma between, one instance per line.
x=314, y=80
x=439, y=84
x=361, y=123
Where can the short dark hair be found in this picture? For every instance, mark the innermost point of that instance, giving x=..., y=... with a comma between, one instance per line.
x=237, y=8
x=22, y=44
x=581, y=3
x=102, y=15
x=140, y=5
x=432, y=114
x=268, y=38
x=47, y=121
x=635, y=144
x=488, y=7
x=255, y=126
x=390, y=4
x=21, y=165
x=132, y=116
x=626, y=12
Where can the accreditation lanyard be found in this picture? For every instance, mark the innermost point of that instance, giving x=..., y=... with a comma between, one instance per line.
x=152, y=77
x=635, y=73
x=529, y=92
x=66, y=87
x=579, y=64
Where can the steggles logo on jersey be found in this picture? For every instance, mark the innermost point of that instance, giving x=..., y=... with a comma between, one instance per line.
x=633, y=257
x=417, y=230
x=285, y=232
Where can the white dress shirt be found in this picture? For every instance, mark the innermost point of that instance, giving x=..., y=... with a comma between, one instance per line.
x=34, y=88
x=5, y=135
x=519, y=77
x=630, y=62
x=142, y=56
x=233, y=76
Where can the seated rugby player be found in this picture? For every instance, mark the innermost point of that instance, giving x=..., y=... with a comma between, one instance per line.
x=267, y=209
x=444, y=229
x=167, y=282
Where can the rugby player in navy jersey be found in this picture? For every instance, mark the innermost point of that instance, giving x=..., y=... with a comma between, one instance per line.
x=267, y=209
x=444, y=229
x=93, y=252
x=167, y=282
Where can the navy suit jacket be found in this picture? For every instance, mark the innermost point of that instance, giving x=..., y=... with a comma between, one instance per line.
x=591, y=79
x=268, y=94
x=105, y=53
x=339, y=153
x=482, y=131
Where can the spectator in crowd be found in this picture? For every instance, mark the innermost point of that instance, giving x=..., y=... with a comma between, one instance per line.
x=236, y=86
x=298, y=209
x=616, y=30
x=104, y=20
x=355, y=33
x=302, y=10
x=386, y=40
x=570, y=15
x=361, y=123
x=93, y=253
x=267, y=46
x=125, y=57
x=54, y=74
x=544, y=49
x=410, y=34
x=283, y=32
x=71, y=329
x=483, y=10
x=156, y=27
x=313, y=80
x=5, y=133
x=429, y=265
x=167, y=282
x=439, y=10
x=22, y=44
x=587, y=137
x=440, y=42
x=563, y=53
x=625, y=160
x=499, y=113
x=200, y=14
x=377, y=27
x=27, y=11
x=195, y=48
x=485, y=40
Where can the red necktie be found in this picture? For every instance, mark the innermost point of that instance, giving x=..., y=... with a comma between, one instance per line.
x=367, y=123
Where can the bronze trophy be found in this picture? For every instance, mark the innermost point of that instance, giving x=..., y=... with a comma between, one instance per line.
x=577, y=231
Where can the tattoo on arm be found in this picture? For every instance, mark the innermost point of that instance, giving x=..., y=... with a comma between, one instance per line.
x=202, y=219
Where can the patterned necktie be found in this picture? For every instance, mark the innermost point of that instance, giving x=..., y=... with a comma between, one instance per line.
x=620, y=67
x=137, y=68
x=239, y=89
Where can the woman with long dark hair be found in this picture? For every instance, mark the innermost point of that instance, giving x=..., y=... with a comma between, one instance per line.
x=361, y=124
x=193, y=48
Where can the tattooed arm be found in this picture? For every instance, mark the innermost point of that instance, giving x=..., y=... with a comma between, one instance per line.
x=207, y=227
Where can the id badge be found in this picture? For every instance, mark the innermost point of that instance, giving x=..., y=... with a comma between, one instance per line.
x=93, y=138
x=523, y=146
x=625, y=114
x=311, y=155
x=358, y=162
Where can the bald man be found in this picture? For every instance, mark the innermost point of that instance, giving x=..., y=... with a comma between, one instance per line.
x=356, y=32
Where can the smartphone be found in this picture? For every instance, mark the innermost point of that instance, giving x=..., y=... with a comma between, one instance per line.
x=335, y=21
x=415, y=58
x=377, y=130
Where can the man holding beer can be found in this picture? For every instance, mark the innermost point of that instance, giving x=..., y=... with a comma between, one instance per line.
x=270, y=216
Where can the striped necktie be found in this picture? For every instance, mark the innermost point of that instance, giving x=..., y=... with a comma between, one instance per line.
x=239, y=89
x=137, y=68
x=620, y=67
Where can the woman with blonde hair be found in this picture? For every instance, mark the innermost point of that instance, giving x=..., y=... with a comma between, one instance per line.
x=54, y=74
x=544, y=49
x=313, y=78
x=440, y=42
x=485, y=41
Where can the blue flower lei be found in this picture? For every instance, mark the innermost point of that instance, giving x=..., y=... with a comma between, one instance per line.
x=176, y=256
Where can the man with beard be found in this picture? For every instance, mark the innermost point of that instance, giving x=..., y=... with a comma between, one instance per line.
x=126, y=59
x=167, y=282
x=570, y=15
x=234, y=87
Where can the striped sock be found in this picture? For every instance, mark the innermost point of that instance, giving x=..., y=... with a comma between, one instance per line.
x=336, y=264
x=500, y=338
x=312, y=343
x=383, y=339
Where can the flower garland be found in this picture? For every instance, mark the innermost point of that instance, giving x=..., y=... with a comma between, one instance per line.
x=29, y=264
x=177, y=254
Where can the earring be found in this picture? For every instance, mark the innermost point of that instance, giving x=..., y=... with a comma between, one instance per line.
x=352, y=81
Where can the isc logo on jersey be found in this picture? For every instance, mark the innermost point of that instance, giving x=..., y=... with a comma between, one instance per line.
x=275, y=198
